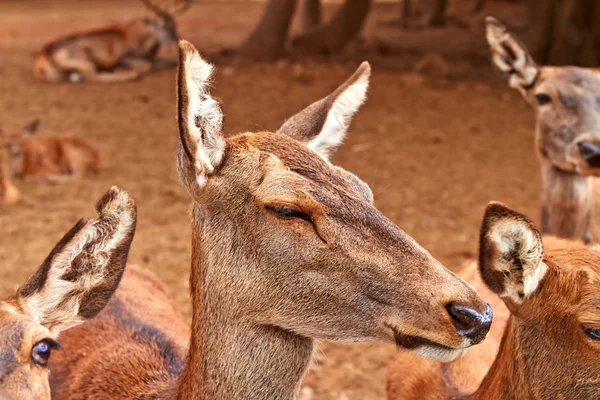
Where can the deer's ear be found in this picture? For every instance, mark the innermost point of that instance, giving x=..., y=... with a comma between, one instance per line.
x=82, y=272
x=31, y=127
x=510, y=254
x=323, y=125
x=510, y=57
x=199, y=117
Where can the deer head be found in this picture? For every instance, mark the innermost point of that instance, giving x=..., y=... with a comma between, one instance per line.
x=11, y=145
x=552, y=342
x=163, y=28
x=73, y=284
x=291, y=241
x=566, y=101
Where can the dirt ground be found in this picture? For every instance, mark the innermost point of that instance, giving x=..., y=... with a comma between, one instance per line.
x=434, y=151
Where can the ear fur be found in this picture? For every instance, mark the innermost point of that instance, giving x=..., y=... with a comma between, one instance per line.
x=322, y=126
x=510, y=57
x=84, y=269
x=199, y=116
x=510, y=257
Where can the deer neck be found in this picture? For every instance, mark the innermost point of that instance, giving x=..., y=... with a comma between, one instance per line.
x=568, y=204
x=506, y=378
x=230, y=357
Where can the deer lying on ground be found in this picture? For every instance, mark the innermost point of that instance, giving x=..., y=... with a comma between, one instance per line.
x=58, y=157
x=111, y=54
x=73, y=284
x=551, y=301
x=566, y=101
x=286, y=248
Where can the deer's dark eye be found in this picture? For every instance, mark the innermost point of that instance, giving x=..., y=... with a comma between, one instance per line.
x=40, y=354
x=542, y=98
x=288, y=212
x=593, y=333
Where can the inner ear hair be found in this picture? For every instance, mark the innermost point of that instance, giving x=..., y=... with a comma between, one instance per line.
x=510, y=57
x=511, y=251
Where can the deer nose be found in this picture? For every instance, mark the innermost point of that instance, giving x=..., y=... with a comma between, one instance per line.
x=590, y=153
x=470, y=323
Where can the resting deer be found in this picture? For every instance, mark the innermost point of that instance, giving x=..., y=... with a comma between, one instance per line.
x=54, y=158
x=73, y=284
x=566, y=101
x=549, y=349
x=286, y=248
x=111, y=54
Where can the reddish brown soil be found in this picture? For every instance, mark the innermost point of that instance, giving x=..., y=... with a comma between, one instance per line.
x=434, y=152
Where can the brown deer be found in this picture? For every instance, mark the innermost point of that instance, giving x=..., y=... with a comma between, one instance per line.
x=550, y=309
x=54, y=158
x=566, y=101
x=286, y=248
x=111, y=54
x=72, y=285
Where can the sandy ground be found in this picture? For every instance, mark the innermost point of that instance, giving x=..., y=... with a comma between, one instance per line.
x=433, y=151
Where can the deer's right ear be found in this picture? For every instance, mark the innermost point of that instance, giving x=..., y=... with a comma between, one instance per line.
x=31, y=127
x=510, y=254
x=510, y=57
x=199, y=117
x=83, y=270
x=323, y=125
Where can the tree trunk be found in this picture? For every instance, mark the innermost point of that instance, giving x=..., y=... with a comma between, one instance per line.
x=568, y=32
x=438, y=14
x=267, y=41
x=311, y=14
x=406, y=13
x=331, y=37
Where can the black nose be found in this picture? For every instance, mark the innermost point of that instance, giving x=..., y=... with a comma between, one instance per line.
x=590, y=153
x=470, y=323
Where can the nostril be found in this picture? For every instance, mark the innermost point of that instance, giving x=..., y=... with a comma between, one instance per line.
x=587, y=150
x=470, y=323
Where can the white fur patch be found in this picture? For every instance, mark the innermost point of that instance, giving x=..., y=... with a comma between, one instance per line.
x=56, y=305
x=204, y=116
x=505, y=235
x=438, y=353
x=339, y=117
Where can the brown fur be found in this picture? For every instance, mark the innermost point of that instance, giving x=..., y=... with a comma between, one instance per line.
x=286, y=248
x=110, y=54
x=57, y=157
x=9, y=194
x=522, y=358
x=73, y=284
x=570, y=118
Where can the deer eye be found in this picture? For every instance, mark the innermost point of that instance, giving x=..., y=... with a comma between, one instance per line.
x=542, y=98
x=288, y=213
x=593, y=333
x=40, y=354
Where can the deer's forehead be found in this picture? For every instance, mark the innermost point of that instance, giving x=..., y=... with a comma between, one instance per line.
x=12, y=335
x=313, y=171
x=569, y=82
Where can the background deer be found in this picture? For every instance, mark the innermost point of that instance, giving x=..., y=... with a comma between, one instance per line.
x=73, y=284
x=55, y=157
x=566, y=101
x=111, y=54
x=549, y=349
x=286, y=248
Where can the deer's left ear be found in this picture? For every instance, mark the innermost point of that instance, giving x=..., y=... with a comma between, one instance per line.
x=510, y=254
x=323, y=125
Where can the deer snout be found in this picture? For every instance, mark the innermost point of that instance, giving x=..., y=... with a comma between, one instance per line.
x=470, y=323
x=590, y=153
